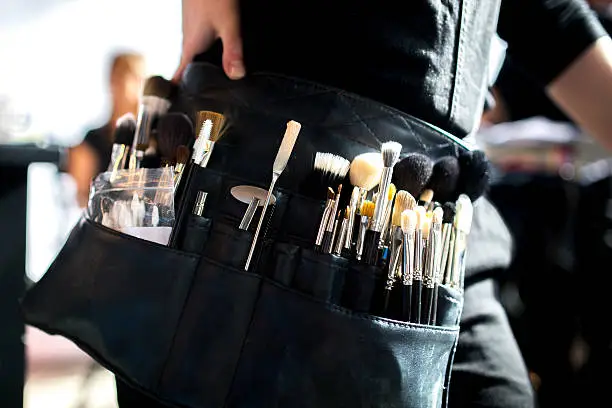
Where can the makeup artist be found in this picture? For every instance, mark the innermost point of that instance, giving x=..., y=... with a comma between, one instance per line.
x=92, y=155
x=429, y=60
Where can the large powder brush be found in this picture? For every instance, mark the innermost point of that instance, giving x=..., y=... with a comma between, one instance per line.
x=412, y=173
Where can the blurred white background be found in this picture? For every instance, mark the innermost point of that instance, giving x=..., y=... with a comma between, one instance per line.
x=53, y=87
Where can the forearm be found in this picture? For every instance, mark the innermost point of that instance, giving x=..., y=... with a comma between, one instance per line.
x=584, y=91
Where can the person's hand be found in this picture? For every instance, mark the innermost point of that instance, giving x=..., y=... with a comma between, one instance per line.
x=205, y=21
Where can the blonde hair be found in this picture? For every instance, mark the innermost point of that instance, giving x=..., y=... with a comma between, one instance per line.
x=125, y=63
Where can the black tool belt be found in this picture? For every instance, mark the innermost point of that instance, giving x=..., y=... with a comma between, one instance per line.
x=191, y=328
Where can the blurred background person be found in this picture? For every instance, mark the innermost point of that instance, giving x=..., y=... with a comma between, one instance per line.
x=92, y=155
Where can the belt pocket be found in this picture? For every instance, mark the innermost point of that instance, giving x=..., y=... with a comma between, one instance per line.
x=228, y=245
x=210, y=335
x=305, y=353
x=117, y=297
x=320, y=275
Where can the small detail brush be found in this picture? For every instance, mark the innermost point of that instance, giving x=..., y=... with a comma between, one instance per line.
x=354, y=206
x=343, y=232
x=463, y=224
x=282, y=157
x=437, y=221
x=182, y=157
x=390, y=154
x=402, y=200
x=417, y=280
x=408, y=221
x=447, y=228
x=366, y=213
x=216, y=132
x=327, y=214
x=328, y=170
x=432, y=257
x=328, y=235
x=386, y=230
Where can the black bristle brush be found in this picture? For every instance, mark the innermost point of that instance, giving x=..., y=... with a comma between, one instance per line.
x=412, y=173
x=122, y=140
x=474, y=174
x=173, y=130
x=444, y=178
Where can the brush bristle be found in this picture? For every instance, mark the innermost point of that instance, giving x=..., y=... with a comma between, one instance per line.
x=284, y=151
x=367, y=208
x=347, y=212
x=426, y=227
x=409, y=221
x=218, y=123
x=412, y=173
x=331, y=194
x=474, y=174
x=391, y=192
x=125, y=129
x=402, y=201
x=449, y=212
x=366, y=170
x=438, y=216
x=331, y=164
x=173, y=129
x=465, y=214
x=390, y=153
x=205, y=131
x=427, y=196
x=158, y=86
x=444, y=178
x=421, y=215
x=182, y=154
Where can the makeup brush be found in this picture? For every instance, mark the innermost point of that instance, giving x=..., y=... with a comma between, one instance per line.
x=402, y=201
x=390, y=154
x=447, y=230
x=366, y=213
x=408, y=223
x=354, y=206
x=181, y=188
x=417, y=278
x=366, y=171
x=341, y=235
x=155, y=101
x=474, y=174
x=385, y=235
x=444, y=178
x=427, y=288
x=122, y=140
x=328, y=234
x=327, y=214
x=181, y=159
x=430, y=279
x=217, y=130
x=426, y=197
x=463, y=224
x=328, y=170
x=173, y=130
x=412, y=173
x=282, y=157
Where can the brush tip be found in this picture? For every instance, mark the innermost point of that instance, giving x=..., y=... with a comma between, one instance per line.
x=449, y=212
x=438, y=215
x=427, y=195
x=125, y=129
x=218, y=123
x=474, y=174
x=331, y=164
x=390, y=153
x=366, y=170
x=367, y=208
x=444, y=177
x=158, y=86
x=409, y=221
x=182, y=154
x=413, y=172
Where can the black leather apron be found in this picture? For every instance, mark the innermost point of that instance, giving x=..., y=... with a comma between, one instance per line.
x=195, y=330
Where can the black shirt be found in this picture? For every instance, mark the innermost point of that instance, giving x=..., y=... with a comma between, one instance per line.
x=370, y=50
x=100, y=140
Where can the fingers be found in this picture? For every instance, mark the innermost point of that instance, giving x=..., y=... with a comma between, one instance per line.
x=229, y=32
